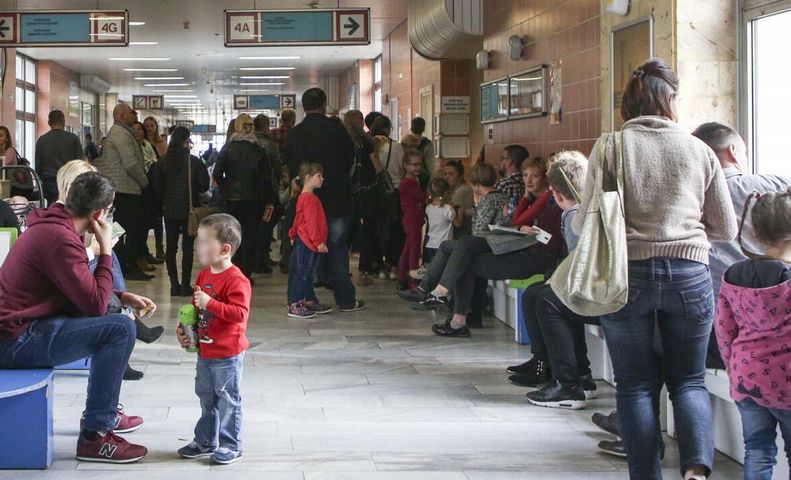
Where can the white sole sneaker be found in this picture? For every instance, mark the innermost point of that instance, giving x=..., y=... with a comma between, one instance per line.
x=591, y=394
x=107, y=460
x=302, y=317
x=226, y=462
x=563, y=404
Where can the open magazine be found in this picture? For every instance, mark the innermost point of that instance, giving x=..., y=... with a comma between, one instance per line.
x=541, y=236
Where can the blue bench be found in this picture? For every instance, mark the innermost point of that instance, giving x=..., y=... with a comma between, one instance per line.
x=26, y=419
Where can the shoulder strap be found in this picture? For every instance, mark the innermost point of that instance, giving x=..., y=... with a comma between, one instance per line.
x=389, y=151
x=189, y=180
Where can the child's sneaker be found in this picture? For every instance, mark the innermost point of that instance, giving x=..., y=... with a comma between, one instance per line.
x=193, y=450
x=300, y=310
x=224, y=456
x=319, y=308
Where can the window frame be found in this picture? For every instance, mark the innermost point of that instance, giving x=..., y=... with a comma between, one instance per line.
x=750, y=11
x=377, y=90
x=24, y=145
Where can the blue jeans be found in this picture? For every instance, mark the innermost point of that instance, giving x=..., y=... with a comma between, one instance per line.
x=300, y=273
x=676, y=296
x=759, y=425
x=108, y=340
x=119, y=284
x=218, y=383
x=338, y=260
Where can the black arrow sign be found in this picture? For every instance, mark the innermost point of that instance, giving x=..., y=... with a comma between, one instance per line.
x=287, y=101
x=3, y=28
x=353, y=26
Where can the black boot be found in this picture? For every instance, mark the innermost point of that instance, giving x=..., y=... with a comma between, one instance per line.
x=539, y=375
x=175, y=290
x=132, y=374
x=147, y=334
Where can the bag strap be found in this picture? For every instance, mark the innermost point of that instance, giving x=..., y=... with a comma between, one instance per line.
x=387, y=165
x=189, y=182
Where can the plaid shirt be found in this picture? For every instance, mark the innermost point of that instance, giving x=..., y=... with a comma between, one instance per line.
x=279, y=135
x=512, y=185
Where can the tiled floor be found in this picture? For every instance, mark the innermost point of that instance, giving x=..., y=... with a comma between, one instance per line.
x=372, y=395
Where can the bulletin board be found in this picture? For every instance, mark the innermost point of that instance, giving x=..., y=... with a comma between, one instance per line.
x=494, y=101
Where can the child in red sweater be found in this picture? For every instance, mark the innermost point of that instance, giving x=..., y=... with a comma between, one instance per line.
x=413, y=206
x=222, y=296
x=309, y=237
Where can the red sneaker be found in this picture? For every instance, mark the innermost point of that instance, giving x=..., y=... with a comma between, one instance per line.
x=123, y=423
x=108, y=449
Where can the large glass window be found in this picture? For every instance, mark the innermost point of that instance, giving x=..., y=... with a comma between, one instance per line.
x=768, y=100
x=378, y=84
x=25, y=106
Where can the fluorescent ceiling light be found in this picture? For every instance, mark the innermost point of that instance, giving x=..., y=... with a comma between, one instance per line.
x=180, y=96
x=286, y=57
x=172, y=90
x=261, y=83
x=139, y=59
x=137, y=24
x=151, y=69
x=256, y=90
x=263, y=77
x=252, y=69
x=143, y=43
x=166, y=84
x=159, y=78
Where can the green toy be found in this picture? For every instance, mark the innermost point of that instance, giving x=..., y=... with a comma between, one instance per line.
x=188, y=316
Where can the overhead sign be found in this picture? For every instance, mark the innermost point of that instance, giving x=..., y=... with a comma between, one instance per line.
x=64, y=28
x=264, y=102
x=186, y=123
x=254, y=28
x=204, y=128
x=288, y=101
x=148, y=102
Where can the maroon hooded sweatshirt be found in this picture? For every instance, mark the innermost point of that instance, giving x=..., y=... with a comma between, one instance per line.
x=46, y=274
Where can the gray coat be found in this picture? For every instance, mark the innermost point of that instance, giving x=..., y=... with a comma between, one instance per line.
x=122, y=161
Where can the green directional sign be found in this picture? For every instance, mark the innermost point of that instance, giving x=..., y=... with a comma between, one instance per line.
x=255, y=28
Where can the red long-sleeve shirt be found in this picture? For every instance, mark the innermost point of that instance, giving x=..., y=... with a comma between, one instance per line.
x=310, y=223
x=528, y=210
x=222, y=325
x=413, y=202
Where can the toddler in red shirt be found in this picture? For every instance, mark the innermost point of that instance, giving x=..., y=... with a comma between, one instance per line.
x=309, y=237
x=222, y=297
x=413, y=206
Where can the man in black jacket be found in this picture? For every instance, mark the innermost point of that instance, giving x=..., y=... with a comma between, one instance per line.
x=325, y=141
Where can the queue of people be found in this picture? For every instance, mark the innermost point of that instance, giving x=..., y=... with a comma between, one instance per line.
x=708, y=246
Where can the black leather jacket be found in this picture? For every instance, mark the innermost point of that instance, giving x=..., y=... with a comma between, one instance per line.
x=243, y=172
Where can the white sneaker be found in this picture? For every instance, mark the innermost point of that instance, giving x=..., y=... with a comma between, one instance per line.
x=382, y=275
x=393, y=274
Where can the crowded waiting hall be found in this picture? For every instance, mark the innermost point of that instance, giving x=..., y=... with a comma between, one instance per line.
x=395, y=240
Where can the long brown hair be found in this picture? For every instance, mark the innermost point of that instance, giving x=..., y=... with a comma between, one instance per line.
x=8, y=142
x=651, y=90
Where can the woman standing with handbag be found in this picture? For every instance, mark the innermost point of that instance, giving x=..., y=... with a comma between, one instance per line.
x=675, y=200
x=179, y=180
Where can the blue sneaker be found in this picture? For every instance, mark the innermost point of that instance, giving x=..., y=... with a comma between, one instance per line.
x=225, y=456
x=193, y=450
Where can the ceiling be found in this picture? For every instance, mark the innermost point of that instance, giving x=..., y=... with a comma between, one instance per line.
x=190, y=33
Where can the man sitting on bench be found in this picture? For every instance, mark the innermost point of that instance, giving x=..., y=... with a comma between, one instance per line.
x=52, y=310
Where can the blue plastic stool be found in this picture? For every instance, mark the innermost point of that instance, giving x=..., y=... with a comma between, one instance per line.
x=81, y=364
x=26, y=419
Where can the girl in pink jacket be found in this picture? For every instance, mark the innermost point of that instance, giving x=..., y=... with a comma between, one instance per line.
x=753, y=328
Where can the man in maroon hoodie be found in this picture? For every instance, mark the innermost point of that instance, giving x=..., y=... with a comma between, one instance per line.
x=52, y=310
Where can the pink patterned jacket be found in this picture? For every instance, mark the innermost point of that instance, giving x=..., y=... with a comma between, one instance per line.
x=753, y=328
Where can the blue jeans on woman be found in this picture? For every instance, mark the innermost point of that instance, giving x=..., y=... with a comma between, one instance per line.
x=218, y=383
x=676, y=296
x=759, y=425
x=300, y=273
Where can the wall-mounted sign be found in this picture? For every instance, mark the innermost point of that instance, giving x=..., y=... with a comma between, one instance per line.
x=263, y=102
x=453, y=147
x=452, y=124
x=455, y=104
x=64, y=28
x=254, y=28
x=148, y=102
x=527, y=92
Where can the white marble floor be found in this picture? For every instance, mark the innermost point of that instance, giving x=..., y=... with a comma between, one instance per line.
x=372, y=395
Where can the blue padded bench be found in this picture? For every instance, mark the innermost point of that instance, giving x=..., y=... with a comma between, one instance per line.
x=26, y=419
x=81, y=364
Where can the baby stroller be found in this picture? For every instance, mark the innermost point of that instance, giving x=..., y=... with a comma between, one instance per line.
x=20, y=187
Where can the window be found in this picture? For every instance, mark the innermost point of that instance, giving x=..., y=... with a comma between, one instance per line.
x=766, y=100
x=25, y=141
x=378, y=84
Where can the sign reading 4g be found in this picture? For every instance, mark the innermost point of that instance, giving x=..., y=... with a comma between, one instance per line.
x=314, y=27
x=64, y=28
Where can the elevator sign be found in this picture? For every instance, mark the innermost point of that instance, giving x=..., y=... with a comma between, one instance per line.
x=255, y=28
x=64, y=28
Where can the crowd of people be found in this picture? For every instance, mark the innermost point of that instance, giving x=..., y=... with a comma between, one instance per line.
x=709, y=260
